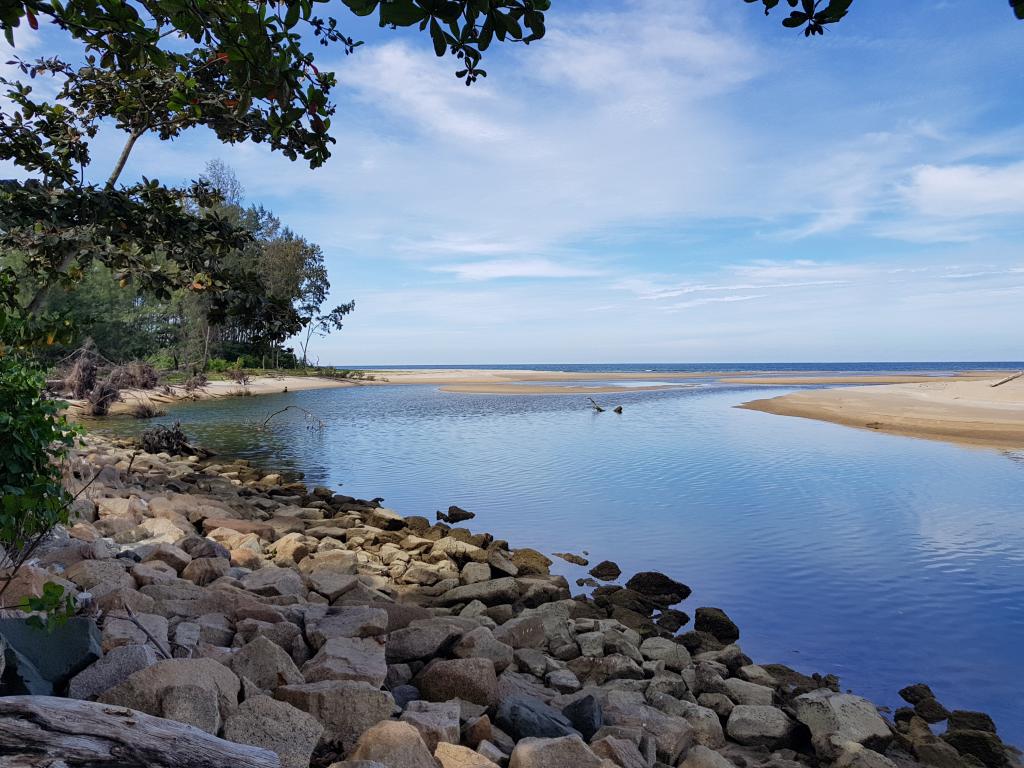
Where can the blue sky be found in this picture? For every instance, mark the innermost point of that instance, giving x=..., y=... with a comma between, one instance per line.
x=657, y=182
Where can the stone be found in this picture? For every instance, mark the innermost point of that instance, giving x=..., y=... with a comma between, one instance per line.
x=273, y=581
x=719, y=703
x=455, y=515
x=263, y=722
x=436, y=721
x=930, y=710
x=199, y=692
x=742, y=692
x=481, y=643
x=345, y=708
x=912, y=694
x=455, y=756
x=674, y=655
x=983, y=745
x=672, y=734
x=111, y=670
x=493, y=753
x=836, y=718
x=659, y=587
x=349, y=658
x=205, y=570
x=530, y=562
x=562, y=680
x=49, y=659
x=758, y=725
x=967, y=720
x=394, y=744
x=621, y=752
x=716, y=623
x=606, y=570
x=493, y=592
x=331, y=583
x=553, y=753
x=522, y=632
x=170, y=554
x=702, y=757
x=525, y=716
x=347, y=621
x=111, y=574
x=474, y=573
x=420, y=640
x=266, y=664
x=262, y=530
x=586, y=716
x=471, y=679
x=853, y=755
x=118, y=631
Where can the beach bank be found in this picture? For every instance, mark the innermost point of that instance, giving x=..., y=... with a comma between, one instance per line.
x=971, y=411
x=283, y=625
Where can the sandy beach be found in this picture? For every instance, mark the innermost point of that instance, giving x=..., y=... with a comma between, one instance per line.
x=965, y=411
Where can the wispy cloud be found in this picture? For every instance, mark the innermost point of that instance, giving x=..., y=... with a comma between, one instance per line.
x=497, y=269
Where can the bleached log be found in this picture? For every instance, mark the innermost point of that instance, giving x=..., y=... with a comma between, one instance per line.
x=50, y=732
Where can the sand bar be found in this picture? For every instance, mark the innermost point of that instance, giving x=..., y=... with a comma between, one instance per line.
x=964, y=411
x=551, y=389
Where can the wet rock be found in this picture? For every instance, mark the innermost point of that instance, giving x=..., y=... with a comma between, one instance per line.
x=530, y=562
x=984, y=745
x=716, y=623
x=265, y=664
x=606, y=570
x=344, y=708
x=912, y=694
x=111, y=670
x=394, y=744
x=672, y=620
x=930, y=710
x=348, y=658
x=525, y=716
x=659, y=587
x=756, y=725
x=553, y=753
x=470, y=679
x=455, y=515
x=836, y=718
x=967, y=720
x=277, y=726
x=569, y=557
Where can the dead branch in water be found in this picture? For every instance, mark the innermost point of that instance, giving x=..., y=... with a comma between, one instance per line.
x=596, y=407
x=313, y=421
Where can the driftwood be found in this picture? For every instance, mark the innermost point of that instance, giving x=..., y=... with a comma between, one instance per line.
x=596, y=407
x=50, y=732
x=1011, y=377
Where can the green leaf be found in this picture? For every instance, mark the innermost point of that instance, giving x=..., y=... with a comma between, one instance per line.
x=437, y=35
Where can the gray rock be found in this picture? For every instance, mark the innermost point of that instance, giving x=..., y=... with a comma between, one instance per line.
x=113, y=669
x=675, y=656
x=347, y=621
x=621, y=752
x=420, y=640
x=742, y=692
x=524, y=716
x=606, y=570
x=758, y=725
x=586, y=716
x=277, y=726
x=702, y=757
x=345, y=708
x=672, y=734
x=481, y=643
x=436, y=721
x=266, y=664
x=837, y=718
x=470, y=679
x=46, y=660
x=454, y=756
x=273, y=581
x=348, y=658
x=493, y=592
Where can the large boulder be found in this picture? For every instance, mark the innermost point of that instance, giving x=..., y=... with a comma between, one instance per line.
x=525, y=716
x=837, y=718
x=716, y=623
x=41, y=662
x=199, y=692
x=263, y=722
x=436, y=721
x=347, y=621
x=565, y=752
x=349, y=658
x=345, y=708
x=659, y=587
x=265, y=664
x=455, y=756
x=114, y=668
x=394, y=744
x=492, y=592
x=471, y=679
x=420, y=640
x=759, y=725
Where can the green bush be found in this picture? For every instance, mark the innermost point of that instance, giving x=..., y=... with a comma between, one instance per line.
x=217, y=365
x=35, y=438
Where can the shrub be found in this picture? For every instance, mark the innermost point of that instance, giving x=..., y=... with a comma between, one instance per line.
x=192, y=383
x=217, y=365
x=134, y=375
x=35, y=439
x=240, y=376
x=164, y=439
x=146, y=410
x=82, y=377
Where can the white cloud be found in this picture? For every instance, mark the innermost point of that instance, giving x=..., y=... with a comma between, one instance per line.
x=964, y=191
x=505, y=268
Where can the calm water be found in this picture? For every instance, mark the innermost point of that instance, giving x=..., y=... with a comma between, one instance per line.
x=885, y=560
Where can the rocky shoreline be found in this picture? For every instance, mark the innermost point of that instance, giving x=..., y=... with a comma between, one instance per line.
x=282, y=625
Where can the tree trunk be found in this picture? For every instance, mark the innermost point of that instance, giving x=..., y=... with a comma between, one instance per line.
x=45, y=731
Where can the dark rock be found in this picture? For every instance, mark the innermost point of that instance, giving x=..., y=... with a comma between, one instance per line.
x=525, y=716
x=672, y=620
x=699, y=642
x=606, y=571
x=530, y=562
x=930, y=710
x=585, y=716
x=55, y=656
x=587, y=582
x=198, y=546
x=796, y=683
x=403, y=694
x=569, y=557
x=659, y=587
x=455, y=515
x=915, y=693
x=983, y=745
x=715, y=622
x=962, y=719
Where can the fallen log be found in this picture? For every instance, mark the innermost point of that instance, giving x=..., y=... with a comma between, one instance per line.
x=46, y=731
x=1008, y=379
